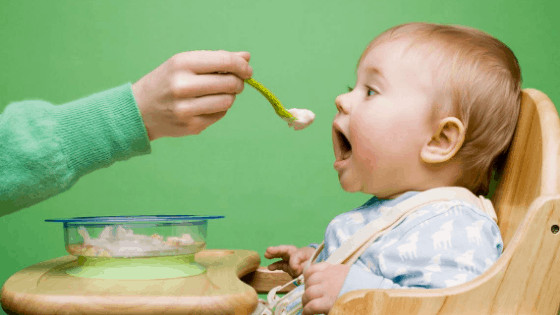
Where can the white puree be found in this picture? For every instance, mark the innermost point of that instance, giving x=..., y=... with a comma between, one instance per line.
x=125, y=243
x=304, y=118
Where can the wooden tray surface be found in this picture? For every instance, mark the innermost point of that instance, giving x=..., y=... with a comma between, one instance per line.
x=45, y=288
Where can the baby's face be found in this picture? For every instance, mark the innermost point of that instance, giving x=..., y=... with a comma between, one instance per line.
x=382, y=124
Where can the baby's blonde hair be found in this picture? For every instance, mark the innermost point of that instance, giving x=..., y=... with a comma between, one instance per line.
x=480, y=84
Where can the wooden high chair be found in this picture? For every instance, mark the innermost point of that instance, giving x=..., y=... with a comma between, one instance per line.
x=526, y=278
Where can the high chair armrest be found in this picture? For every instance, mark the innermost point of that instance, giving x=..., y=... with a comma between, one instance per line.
x=263, y=280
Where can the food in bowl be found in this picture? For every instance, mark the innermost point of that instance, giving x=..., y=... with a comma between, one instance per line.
x=135, y=236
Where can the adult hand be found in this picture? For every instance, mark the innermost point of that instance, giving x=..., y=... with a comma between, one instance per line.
x=293, y=258
x=323, y=282
x=190, y=91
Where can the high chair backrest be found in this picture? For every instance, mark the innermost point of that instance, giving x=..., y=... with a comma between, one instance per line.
x=532, y=165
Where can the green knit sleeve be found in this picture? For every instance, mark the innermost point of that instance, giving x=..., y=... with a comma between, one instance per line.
x=45, y=149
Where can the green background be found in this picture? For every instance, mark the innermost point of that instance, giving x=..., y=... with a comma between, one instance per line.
x=274, y=185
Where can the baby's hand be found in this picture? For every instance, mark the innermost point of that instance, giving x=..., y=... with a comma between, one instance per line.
x=293, y=258
x=190, y=91
x=323, y=282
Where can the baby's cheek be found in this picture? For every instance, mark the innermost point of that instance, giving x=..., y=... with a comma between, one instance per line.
x=365, y=146
x=365, y=158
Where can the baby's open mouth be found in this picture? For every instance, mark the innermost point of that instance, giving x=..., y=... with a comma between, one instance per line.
x=343, y=148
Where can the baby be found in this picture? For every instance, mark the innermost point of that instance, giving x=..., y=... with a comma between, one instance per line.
x=433, y=106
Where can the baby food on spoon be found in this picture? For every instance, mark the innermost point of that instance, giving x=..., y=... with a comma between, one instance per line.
x=303, y=118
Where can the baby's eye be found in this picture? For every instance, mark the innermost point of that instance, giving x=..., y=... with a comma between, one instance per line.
x=371, y=92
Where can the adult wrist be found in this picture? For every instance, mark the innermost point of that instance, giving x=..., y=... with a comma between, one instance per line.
x=100, y=129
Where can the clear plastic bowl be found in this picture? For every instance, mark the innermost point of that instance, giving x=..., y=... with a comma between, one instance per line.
x=135, y=236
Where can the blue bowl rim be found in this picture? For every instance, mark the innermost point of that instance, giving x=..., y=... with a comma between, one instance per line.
x=137, y=218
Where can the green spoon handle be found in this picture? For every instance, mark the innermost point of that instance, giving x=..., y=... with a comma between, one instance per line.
x=278, y=108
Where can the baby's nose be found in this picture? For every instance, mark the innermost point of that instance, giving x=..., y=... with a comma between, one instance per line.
x=342, y=104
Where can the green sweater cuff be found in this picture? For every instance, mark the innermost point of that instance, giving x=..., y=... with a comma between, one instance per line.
x=101, y=129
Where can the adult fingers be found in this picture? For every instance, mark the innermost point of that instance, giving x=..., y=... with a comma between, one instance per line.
x=204, y=61
x=282, y=251
x=209, y=119
x=187, y=86
x=243, y=54
x=207, y=104
x=195, y=125
x=212, y=118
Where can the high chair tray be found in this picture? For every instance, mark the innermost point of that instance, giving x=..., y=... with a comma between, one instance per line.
x=45, y=288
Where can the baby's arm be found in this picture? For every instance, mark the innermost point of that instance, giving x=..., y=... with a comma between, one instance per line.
x=433, y=249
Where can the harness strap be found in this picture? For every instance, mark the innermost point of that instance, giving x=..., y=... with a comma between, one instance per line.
x=351, y=250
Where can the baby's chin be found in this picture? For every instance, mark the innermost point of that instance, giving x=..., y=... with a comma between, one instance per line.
x=353, y=186
x=349, y=185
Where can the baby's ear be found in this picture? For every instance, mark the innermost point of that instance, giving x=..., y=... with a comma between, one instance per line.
x=445, y=142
